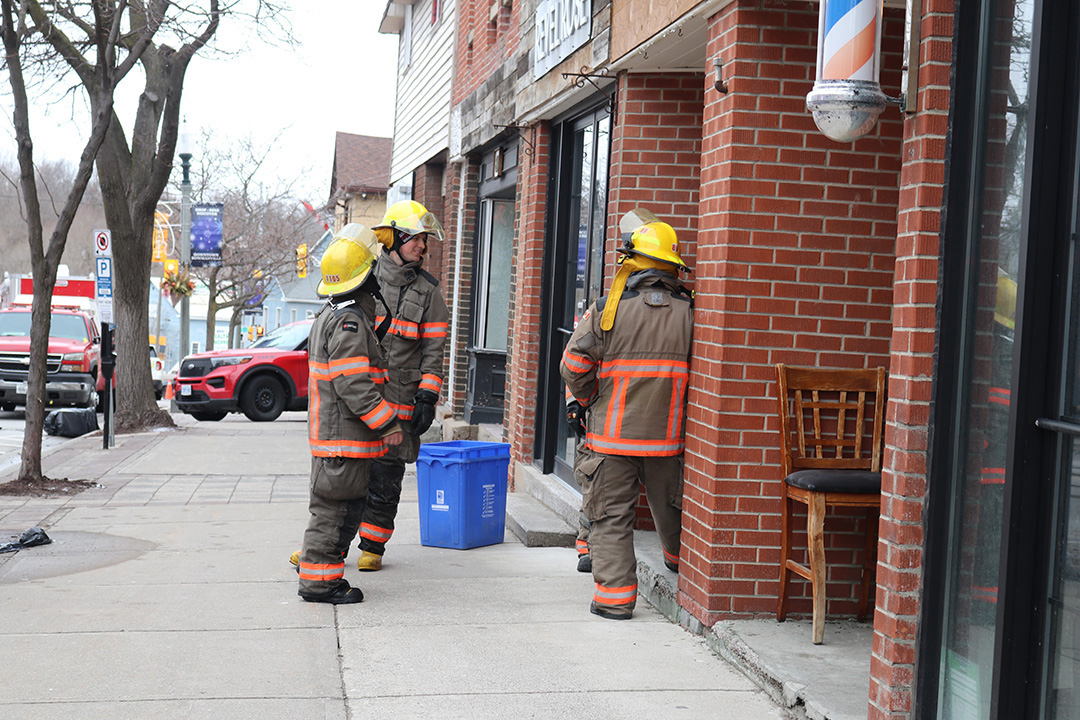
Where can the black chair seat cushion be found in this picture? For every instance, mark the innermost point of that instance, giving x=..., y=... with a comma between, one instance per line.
x=840, y=481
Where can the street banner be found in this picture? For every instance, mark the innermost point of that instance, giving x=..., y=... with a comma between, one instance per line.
x=206, y=220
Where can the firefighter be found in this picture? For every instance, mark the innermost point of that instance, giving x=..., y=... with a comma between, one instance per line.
x=350, y=423
x=415, y=348
x=628, y=363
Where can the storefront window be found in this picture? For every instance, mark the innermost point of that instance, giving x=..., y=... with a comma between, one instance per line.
x=497, y=244
x=985, y=393
x=587, y=206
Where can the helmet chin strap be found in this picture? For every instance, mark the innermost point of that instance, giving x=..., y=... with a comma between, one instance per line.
x=384, y=326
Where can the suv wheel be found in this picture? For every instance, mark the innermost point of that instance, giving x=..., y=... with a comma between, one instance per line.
x=263, y=399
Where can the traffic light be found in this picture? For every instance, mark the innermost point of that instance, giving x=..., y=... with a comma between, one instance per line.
x=301, y=260
x=251, y=333
x=259, y=330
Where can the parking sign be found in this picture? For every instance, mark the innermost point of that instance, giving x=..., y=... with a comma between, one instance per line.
x=103, y=266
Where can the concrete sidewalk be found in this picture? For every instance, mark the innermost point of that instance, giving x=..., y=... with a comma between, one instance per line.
x=167, y=593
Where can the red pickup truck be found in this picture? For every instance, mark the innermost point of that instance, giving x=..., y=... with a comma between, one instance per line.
x=73, y=362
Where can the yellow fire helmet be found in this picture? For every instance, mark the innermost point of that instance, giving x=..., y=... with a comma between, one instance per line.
x=658, y=241
x=346, y=263
x=410, y=217
x=652, y=244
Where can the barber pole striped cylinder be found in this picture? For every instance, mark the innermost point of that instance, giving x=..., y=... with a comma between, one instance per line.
x=847, y=98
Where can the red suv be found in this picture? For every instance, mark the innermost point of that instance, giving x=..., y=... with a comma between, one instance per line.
x=260, y=381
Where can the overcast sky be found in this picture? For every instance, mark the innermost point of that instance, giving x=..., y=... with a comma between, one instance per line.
x=341, y=77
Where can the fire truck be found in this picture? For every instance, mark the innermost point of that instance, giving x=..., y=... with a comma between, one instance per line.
x=74, y=354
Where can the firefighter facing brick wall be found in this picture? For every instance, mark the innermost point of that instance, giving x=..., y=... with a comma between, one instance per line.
x=627, y=367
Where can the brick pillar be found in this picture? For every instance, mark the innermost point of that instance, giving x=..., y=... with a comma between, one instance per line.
x=523, y=356
x=431, y=182
x=655, y=161
x=911, y=369
x=457, y=272
x=795, y=258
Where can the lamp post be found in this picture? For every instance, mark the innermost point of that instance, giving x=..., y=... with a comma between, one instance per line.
x=184, y=146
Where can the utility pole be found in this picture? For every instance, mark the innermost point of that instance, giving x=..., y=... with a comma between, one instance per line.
x=185, y=239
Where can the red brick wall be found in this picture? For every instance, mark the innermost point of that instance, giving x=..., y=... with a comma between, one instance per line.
x=460, y=226
x=795, y=257
x=493, y=42
x=429, y=189
x=655, y=164
x=910, y=372
x=523, y=358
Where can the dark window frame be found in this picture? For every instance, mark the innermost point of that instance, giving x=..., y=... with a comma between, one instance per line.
x=550, y=409
x=1032, y=455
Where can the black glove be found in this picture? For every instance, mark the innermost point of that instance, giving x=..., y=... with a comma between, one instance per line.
x=423, y=411
x=575, y=418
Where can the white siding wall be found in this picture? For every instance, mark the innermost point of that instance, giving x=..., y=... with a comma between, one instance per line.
x=422, y=106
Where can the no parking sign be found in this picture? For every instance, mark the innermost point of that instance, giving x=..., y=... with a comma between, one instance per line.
x=102, y=243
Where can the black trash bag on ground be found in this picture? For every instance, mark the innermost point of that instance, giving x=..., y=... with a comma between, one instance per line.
x=71, y=422
x=30, y=538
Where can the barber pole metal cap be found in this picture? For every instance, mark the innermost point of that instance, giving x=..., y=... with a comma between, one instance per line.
x=845, y=110
x=847, y=99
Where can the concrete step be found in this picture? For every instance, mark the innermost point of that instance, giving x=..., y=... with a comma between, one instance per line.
x=536, y=525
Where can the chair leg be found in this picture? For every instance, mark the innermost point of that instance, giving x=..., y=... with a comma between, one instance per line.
x=785, y=552
x=815, y=531
x=869, y=562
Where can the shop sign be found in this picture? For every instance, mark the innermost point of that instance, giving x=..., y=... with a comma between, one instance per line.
x=562, y=26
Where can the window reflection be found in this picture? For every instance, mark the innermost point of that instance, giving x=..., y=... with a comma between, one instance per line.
x=973, y=578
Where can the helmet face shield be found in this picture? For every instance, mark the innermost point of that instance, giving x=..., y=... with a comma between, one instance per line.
x=416, y=224
x=412, y=218
x=361, y=235
x=656, y=240
x=634, y=219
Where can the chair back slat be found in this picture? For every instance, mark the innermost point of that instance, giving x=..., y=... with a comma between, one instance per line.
x=825, y=420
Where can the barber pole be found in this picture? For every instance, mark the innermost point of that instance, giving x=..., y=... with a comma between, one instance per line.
x=847, y=98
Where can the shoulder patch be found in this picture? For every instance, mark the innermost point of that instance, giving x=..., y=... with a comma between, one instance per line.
x=656, y=299
x=349, y=325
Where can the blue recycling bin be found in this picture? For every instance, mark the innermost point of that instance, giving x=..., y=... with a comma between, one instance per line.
x=462, y=490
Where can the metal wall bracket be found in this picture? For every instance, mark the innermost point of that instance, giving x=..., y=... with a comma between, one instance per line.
x=580, y=78
x=517, y=130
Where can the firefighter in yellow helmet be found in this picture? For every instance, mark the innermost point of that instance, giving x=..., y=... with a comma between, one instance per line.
x=627, y=366
x=415, y=348
x=350, y=423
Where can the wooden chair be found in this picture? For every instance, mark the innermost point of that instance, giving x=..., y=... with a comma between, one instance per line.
x=831, y=454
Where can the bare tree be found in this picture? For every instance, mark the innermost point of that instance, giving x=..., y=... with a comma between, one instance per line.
x=54, y=181
x=262, y=226
x=102, y=72
x=134, y=172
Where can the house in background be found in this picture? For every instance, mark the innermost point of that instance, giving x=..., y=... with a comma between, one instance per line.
x=360, y=179
x=427, y=38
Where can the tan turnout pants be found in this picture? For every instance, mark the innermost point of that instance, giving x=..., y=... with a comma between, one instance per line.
x=609, y=489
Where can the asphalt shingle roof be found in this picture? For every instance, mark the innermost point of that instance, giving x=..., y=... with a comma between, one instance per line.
x=361, y=164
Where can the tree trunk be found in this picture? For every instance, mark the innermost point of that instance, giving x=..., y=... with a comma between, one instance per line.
x=234, y=322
